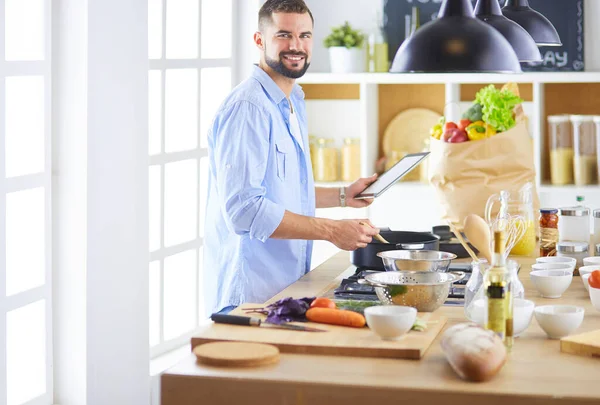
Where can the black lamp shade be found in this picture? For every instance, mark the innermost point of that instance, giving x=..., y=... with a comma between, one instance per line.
x=539, y=27
x=523, y=44
x=456, y=42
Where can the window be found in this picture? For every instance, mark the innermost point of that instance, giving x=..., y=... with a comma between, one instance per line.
x=25, y=195
x=190, y=51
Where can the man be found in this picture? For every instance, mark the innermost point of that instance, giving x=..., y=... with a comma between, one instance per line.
x=261, y=204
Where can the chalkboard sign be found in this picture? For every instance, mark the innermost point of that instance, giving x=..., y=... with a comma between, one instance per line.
x=565, y=15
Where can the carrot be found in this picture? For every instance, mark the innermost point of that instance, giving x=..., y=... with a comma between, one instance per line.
x=332, y=316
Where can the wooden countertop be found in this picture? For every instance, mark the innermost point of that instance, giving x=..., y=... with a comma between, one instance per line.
x=536, y=373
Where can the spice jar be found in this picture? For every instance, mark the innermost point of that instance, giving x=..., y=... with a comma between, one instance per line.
x=575, y=250
x=561, y=150
x=585, y=161
x=574, y=224
x=326, y=160
x=548, y=231
x=351, y=159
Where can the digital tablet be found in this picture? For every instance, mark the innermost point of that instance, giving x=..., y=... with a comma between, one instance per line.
x=395, y=173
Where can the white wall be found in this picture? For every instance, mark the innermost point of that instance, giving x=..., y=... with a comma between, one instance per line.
x=362, y=15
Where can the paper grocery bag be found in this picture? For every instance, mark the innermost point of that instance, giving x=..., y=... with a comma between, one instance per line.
x=466, y=174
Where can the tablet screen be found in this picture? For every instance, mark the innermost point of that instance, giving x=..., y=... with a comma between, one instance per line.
x=395, y=173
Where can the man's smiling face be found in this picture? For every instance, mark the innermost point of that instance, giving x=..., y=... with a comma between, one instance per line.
x=287, y=44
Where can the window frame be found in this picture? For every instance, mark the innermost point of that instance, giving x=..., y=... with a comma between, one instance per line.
x=161, y=159
x=43, y=180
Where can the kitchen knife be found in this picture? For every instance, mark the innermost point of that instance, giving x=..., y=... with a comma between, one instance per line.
x=247, y=321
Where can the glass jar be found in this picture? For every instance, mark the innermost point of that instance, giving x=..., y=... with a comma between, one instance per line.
x=312, y=141
x=575, y=250
x=351, y=159
x=585, y=161
x=561, y=150
x=574, y=224
x=548, y=231
x=596, y=237
x=326, y=160
x=597, y=127
x=378, y=52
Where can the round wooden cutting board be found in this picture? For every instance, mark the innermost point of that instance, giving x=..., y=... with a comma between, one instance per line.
x=407, y=131
x=236, y=354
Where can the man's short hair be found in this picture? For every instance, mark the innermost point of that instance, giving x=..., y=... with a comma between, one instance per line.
x=265, y=15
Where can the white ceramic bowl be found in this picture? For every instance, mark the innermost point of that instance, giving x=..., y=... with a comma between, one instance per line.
x=558, y=259
x=522, y=314
x=553, y=266
x=595, y=297
x=551, y=283
x=588, y=269
x=390, y=322
x=585, y=280
x=592, y=261
x=559, y=321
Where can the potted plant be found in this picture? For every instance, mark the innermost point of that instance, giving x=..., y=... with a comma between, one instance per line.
x=346, y=51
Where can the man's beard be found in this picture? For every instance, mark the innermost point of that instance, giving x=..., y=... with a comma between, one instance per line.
x=279, y=67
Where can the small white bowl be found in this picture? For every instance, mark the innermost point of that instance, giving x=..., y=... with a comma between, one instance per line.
x=390, y=322
x=559, y=321
x=553, y=266
x=551, y=283
x=592, y=261
x=588, y=269
x=522, y=314
x=585, y=280
x=558, y=259
x=595, y=297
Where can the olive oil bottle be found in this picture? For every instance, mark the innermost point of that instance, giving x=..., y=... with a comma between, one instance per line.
x=498, y=294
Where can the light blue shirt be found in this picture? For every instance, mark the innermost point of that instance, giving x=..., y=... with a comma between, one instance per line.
x=257, y=171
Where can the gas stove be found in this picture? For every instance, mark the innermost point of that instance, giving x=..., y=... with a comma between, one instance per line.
x=350, y=289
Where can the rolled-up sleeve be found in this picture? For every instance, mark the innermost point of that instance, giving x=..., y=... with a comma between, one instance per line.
x=241, y=151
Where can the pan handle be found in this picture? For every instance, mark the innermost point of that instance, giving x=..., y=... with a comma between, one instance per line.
x=459, y=274
x=365, y=282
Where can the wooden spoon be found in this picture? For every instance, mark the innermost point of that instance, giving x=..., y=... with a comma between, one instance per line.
x=462, y=242
x=478, y=233
x=378, y=236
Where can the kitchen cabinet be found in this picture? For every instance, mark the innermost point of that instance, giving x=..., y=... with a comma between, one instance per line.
x=365, y=103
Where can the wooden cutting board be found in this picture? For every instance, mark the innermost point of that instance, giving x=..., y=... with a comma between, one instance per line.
x=338, y=340
x=584, y=344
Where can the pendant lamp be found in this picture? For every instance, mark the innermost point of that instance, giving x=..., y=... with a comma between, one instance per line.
x=539, y=27
x=456, y=42
x=523, y=44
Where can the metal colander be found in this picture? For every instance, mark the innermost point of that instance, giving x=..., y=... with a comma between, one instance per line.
x=425, y=291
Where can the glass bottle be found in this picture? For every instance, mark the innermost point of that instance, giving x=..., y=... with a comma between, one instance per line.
x=378, y=51
x=498, y=294
x=585, y=164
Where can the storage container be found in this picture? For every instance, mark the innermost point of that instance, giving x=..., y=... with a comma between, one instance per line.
x=326, y=160
x=596, y=228
x=585, y=160
x=575, y=250
x=574, y=224
x=548, y=231
x=561, y=149
x=351, y=159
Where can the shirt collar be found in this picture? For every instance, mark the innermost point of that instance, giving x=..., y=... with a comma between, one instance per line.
x=276, y=94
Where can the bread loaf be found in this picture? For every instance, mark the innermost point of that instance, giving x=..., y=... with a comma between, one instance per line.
x=474, y=353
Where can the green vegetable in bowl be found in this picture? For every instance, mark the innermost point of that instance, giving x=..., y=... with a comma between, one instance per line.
x=359, y=306
x=397, y=290
x=497, y=106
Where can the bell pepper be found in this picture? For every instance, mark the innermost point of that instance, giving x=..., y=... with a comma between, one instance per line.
x=476, y=131
x=437, y=131
x=490, y=130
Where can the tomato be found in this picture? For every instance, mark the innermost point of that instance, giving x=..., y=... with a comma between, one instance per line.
x=322, y=302
x=594, y=279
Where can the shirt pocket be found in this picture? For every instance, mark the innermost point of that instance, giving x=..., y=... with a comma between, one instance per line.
x=282, y=157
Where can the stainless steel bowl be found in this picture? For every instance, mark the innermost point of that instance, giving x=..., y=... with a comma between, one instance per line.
x=416, y=260
x=425, y=291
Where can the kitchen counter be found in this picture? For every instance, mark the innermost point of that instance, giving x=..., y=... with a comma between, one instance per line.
x=536, y=372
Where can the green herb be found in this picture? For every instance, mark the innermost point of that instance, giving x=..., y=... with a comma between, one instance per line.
x=397, y=290
x=497, y=106
x=419, y=325
x=344, y=35
x=356, y=306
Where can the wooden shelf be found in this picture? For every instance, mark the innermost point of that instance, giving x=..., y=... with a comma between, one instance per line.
x=449, y=78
